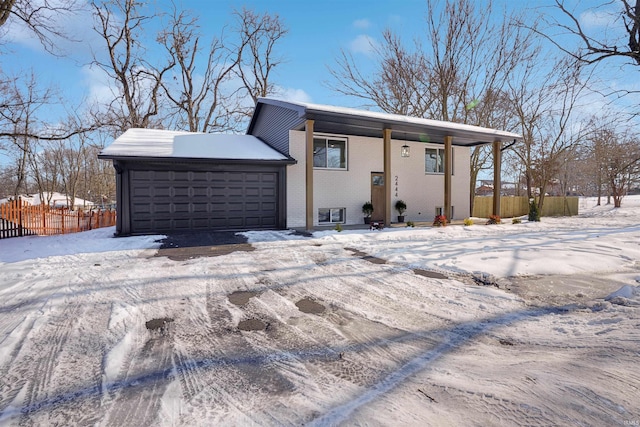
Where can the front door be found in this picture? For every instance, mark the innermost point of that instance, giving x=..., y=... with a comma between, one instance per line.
x=378, y=199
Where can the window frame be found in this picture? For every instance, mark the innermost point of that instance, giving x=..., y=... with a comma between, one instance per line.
x=326, y=139
x=331, y=221
x=440, y=155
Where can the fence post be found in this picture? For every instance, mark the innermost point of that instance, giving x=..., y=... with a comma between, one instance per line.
x=19, y=206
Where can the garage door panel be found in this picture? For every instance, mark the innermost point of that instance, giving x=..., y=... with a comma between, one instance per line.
x=184, y=208
x=268, y=207
x=252, y=191
x=182, y=200
x=235, y=208
x=268, y=192
x=252, y=207
x=200, y=207
x=268, y=178
x=235, y=177
x=235, y=191
x=181, y=176
x=200, y=191
x=161, y=208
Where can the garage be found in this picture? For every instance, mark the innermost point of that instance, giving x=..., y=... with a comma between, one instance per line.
x=171, y=181
x=179, y=200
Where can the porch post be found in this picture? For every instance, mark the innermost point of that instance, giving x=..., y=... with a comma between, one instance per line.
x=497, y=182
x=309, y=173
x=387, y=176
x=448, y=169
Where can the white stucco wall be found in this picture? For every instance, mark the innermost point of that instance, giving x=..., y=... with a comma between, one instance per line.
x=351, y=188
x=422, y=192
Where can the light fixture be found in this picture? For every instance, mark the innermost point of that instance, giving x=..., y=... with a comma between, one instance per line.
x=404, y=152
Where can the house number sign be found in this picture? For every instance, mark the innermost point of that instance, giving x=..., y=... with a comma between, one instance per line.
x=396, y=184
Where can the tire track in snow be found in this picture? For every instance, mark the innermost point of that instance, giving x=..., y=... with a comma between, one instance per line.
x=137, y=397
x=457, y=337
x=51, y=337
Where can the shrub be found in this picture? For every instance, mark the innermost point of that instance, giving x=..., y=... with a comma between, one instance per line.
x=338, y=227
x=494, y=219
x=410, y=224
x=468, y=221
x=440, y=221
x=534, y=212
x=516, y=221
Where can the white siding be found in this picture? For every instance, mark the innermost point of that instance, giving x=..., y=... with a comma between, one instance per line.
x=422, y=192
x=350, y=188
x=296, y=181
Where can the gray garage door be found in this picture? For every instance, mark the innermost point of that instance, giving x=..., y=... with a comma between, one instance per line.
x=176, y=200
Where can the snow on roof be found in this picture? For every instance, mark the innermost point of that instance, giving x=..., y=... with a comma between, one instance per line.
x=55, y=199
x=177, y=144
x=305, y=107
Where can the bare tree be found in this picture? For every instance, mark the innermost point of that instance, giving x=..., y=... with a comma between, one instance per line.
x=459, y=73
x=616, y=156
x=545, y=113
x=197, y=96
x=596, y=47
x=138, y=83
x=259, y=35
x=20, y=122
x=39, y=17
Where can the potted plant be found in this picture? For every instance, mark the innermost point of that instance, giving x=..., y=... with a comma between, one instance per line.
x=401, y=207
x=367, y=210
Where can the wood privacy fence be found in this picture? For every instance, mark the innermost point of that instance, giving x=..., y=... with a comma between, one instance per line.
x=513, y=206
x=18, y=218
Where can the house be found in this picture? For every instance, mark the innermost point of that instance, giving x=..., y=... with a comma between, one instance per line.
x=300, y=165
x=54, y=199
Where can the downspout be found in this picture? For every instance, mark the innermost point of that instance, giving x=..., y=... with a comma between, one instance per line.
x=497, y=182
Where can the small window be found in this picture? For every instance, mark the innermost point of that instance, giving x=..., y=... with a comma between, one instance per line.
x=331, y=215
x=434, y=160
x=329, y=153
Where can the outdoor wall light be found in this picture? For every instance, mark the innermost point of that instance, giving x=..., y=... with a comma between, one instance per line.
x=404, y=152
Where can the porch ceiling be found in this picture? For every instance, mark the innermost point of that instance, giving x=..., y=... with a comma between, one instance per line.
x=434, y=132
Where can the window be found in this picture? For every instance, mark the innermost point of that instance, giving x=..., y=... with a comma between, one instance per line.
x=329, y=153
x=331, y=215
x=434, y=160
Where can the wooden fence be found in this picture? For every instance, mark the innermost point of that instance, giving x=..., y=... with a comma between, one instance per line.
x=513, y=206
x=18, y=218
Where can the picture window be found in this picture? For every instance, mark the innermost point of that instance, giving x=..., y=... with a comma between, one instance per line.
x=329, y=153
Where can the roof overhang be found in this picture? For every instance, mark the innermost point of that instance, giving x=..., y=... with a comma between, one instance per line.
x=350, y=121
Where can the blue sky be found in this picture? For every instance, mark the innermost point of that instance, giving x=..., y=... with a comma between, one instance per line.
x=318, y=30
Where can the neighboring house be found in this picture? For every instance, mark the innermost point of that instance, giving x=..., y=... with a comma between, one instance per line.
x=56, y=200
x=299, y=166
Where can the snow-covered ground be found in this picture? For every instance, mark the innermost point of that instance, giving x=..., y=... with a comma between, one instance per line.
x=527, y=324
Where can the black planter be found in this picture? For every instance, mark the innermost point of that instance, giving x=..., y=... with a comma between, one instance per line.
x=400, y=218
x=367, y=220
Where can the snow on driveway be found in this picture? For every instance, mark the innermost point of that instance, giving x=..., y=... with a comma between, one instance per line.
x=395, y=331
